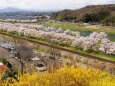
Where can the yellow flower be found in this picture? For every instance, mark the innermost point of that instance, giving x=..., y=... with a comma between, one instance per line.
x=67, y=76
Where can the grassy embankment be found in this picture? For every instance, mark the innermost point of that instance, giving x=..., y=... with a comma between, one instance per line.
x=45, y=41
x=85, y=29
x=90, y=28
x=74, y=27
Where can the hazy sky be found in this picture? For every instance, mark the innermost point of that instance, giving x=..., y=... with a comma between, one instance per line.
x=51, y=4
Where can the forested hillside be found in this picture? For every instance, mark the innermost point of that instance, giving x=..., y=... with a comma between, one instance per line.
x=95, y=13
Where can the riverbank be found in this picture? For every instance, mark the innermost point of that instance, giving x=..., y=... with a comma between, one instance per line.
x=85, y=30
x=74, y=27
x=51, y=44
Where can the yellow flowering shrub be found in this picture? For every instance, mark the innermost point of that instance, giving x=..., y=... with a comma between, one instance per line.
x=62, y=77
x=107, y=81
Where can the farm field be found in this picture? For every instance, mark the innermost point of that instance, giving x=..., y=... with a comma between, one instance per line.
x=85, y=29
x=78, y=27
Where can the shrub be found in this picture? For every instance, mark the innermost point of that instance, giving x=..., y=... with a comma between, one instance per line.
x=62, y=77
x=108, y=81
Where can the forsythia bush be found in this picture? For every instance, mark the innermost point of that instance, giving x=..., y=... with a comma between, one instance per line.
x=107, y=81
x=63, y=77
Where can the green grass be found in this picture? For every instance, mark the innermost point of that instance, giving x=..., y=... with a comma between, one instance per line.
x=75, y=27
x=105, y=56
x=85, y=29
x=100, y=55
x=25, y=22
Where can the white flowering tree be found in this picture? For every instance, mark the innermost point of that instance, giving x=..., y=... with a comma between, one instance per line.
x=95, y=41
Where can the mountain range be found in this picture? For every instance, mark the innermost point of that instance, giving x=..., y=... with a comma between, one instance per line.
x=10, y=9
x=13, y=10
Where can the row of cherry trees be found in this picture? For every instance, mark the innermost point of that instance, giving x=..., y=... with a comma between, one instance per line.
x=95, y=41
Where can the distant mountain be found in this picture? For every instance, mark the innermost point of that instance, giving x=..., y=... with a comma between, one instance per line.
x=14, y=13
x=93, y=13
x=10, y=9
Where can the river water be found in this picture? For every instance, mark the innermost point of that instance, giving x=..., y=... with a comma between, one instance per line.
x=87, y=33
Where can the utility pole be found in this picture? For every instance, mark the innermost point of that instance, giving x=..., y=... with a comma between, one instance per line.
x=22, y=66
x=52, y=55
x=51, y=52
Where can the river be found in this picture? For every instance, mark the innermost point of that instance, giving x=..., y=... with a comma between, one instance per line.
x=87, y=33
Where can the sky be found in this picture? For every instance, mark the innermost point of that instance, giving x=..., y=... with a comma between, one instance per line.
x=51, y=4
